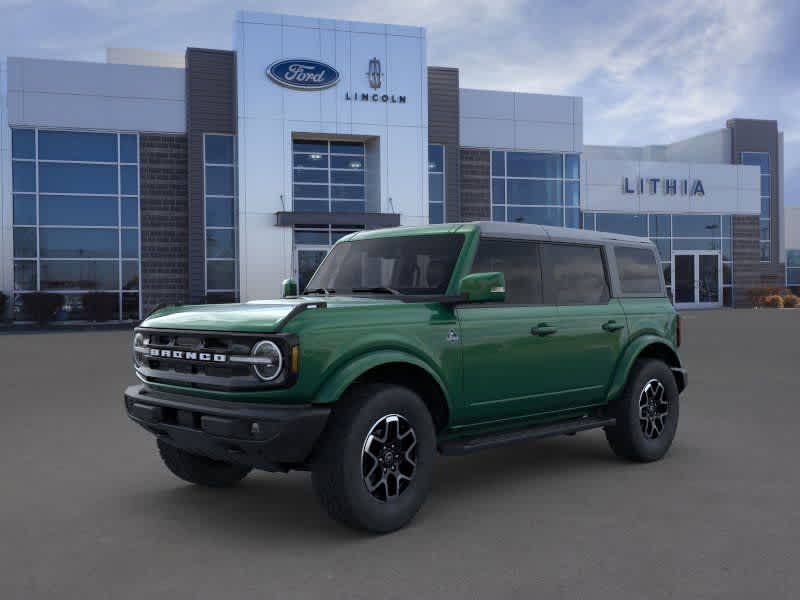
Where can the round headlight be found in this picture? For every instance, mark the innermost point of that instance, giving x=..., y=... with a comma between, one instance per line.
x=138, y=342
x=268, y=361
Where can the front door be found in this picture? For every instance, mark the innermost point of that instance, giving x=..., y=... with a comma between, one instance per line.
x=697, y=279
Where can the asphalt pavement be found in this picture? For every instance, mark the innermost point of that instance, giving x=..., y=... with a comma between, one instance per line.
x=88, y=511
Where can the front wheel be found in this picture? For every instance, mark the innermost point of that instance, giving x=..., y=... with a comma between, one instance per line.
x=373, y=467
x=646, y=413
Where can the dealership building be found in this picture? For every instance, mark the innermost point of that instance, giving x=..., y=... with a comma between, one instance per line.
x=212, y=175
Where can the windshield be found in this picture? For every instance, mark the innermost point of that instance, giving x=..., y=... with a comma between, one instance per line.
x=419, y=264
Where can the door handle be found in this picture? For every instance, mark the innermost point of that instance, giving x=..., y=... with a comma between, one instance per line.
x=612, y=325
x=543, y=329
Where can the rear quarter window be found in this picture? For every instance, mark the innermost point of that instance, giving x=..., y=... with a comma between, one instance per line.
x=638, y=271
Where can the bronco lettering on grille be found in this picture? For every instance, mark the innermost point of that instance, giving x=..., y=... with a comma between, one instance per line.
x=180, y=354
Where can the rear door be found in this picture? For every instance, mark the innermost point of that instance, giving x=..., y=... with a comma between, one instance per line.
x=592, y=328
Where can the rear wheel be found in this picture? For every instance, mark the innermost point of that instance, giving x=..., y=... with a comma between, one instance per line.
x=373, y=467
x=200, y=469
x=646, y=413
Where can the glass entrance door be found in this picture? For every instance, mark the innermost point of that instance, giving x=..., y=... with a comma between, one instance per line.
x=697, y=279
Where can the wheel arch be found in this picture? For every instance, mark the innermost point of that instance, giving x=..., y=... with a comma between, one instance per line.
x=645, y=347
x=391, y=367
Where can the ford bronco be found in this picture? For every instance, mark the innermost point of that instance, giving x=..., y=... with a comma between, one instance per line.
x=411, y=341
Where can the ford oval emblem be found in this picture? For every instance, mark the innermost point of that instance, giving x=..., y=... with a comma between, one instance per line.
x=303, y=74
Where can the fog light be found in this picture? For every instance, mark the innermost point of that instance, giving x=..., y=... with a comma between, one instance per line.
x=255, y=429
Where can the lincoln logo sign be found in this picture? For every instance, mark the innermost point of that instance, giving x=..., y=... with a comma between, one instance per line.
x=302, y=74
x=667, y=186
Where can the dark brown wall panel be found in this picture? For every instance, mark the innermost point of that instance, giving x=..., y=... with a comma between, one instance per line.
x=475, y=199
x=443, y=129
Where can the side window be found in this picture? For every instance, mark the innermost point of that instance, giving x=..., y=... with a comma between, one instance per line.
x=638, y=271
x=574, y=275
x=518, y=261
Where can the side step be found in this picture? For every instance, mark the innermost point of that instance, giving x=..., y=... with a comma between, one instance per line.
x=465, y=445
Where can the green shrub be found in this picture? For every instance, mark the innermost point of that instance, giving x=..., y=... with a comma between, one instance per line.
x=41, y=306
x=773, y=301
x=98, y=306
x=790, y=301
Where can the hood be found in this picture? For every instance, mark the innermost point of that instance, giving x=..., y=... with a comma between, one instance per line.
x=257, y=316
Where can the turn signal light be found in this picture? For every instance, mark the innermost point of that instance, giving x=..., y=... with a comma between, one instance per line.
x=295, y=362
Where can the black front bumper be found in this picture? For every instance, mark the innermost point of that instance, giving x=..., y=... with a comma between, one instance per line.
x=270, y=437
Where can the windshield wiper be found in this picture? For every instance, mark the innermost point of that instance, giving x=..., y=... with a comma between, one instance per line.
x=321, y=290
x=378, y=290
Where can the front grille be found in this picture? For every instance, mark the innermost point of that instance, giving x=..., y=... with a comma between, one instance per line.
x=191, y=359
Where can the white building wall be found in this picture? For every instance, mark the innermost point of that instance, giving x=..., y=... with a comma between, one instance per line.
x=490, y=119
x=269, y=115
x=82, y=95
x=6, y=205
x=729, y=189
x=713, y=147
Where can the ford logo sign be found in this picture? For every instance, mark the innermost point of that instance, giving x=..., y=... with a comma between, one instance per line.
x=303, y=74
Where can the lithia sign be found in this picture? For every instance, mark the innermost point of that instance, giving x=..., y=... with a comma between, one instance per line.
x=306, y=74
x=667, y=186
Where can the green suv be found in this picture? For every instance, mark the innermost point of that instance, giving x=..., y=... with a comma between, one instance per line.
x=411, y=341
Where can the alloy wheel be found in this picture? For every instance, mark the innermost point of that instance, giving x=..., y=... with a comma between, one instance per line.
x=653, y=409
x=389, y=457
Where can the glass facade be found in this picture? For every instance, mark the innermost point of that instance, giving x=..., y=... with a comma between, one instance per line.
x=311, y=244
x=674, y=233
x=793, y=268
x=219, y=160
x=761, y=160
x=435, y=183
x=536, y=187
x=76, y=219
x=328, y=176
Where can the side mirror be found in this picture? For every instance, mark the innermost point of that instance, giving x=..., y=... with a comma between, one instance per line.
x=288, y=288
x=483, y=287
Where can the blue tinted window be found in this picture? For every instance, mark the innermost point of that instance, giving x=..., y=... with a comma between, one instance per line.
x=436, y=213
x=573, y=166
x=726, y=226
x=793, y=258
x=25, y=242
x=128, y=149
x=73, y=145
x=310, y=191
x=221, y=274
x=78, y=243
x=320, y=161
x=572, y=217
x=130, y=243
x=664, y=248
x=764, y=229
x=765, y=185
x=524, y=191
x=498, y=163
x=77, y=179
x=538, y=215
x=530, y=164
x=80, y=275
x=316, y=238
x=695, y=244
x=24, y=275
x=220, y=243
x=435, y=158
x=219, y=181
x=130, y=212
x=219, y=149
x=356, y=177
x=572, y=189
x=77, y=210
x=129, y=180
x=727, y=249
x=311, y=205
x=793, y=277
x=314, y=175
x=347, y=192
x=347, y=148
x=628, y=224
x=24, y=209
x=337, y=235
x=130, y=306
x=23, y=143
x=23, y=176
x=219, y=212
x=436, y=187
x=696, y=225
x=660, y=226
x=766, y=251
x=310, y=146
x=130, y=275
x=588, y=221
x=337, y=162
x=498, y=191
x=498, y=213
x=759, y=159
x=765, y=207
x=348, y=206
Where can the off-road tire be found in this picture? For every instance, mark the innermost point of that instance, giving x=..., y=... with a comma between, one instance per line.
x=628, y=438
x=337, y=471
x=200, y=470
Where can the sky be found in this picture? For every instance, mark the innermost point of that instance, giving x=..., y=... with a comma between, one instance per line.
x=648, y=72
